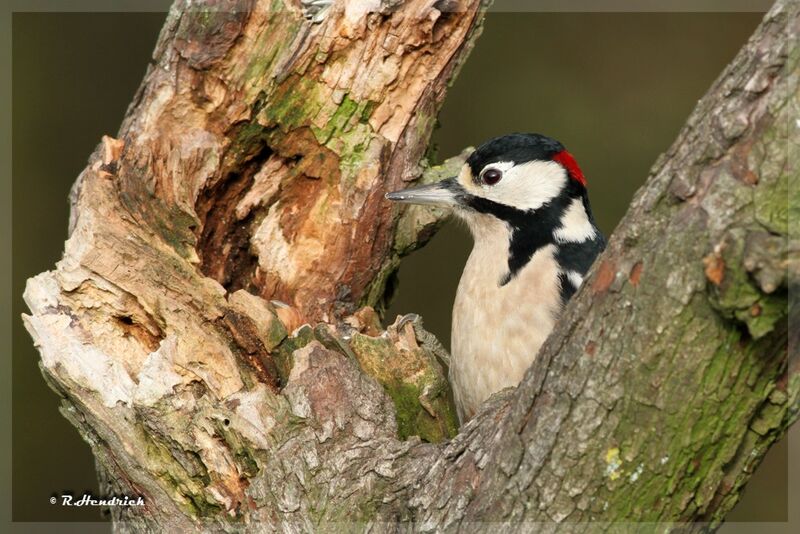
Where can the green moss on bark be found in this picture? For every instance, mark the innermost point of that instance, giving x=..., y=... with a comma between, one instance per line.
x=283, y=353
x=415, y=382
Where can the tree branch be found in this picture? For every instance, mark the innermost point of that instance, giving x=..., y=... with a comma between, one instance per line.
x=667, y=380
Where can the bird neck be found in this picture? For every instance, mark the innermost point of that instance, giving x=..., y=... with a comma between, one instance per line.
x=505, y=238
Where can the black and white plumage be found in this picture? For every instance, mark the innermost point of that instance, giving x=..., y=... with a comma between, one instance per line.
x=525, y=202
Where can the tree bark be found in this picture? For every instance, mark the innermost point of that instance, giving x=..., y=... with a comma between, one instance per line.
x=211, y=326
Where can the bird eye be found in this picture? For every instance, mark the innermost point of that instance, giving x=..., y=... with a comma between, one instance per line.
x=491, y=176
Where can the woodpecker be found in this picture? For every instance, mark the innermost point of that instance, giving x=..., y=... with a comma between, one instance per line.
x=524, y=200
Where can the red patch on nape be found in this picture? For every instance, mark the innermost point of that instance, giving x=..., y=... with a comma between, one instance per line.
x=569, y=163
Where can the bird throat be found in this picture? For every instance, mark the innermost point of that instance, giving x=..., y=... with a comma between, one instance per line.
x=526, y=231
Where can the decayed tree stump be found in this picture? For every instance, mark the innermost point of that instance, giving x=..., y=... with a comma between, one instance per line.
x=251, y=168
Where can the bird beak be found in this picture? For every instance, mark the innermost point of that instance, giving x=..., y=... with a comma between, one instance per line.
x=444, y=193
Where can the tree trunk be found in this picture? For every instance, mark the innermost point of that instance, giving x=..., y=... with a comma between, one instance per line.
x=211, y=326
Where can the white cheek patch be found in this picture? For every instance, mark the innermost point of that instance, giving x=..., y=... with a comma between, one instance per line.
x=527, y=186
x=575, y=225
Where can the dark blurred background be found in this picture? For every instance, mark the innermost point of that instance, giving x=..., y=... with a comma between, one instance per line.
x=615, y=88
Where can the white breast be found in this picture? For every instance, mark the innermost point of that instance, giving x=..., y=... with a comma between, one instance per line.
x=497, y=330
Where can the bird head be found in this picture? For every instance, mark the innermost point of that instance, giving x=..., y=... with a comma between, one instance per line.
x=507, y=177
x=524, y=192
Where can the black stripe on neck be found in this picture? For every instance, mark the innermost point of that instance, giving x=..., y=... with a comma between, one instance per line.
x=532, y=230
